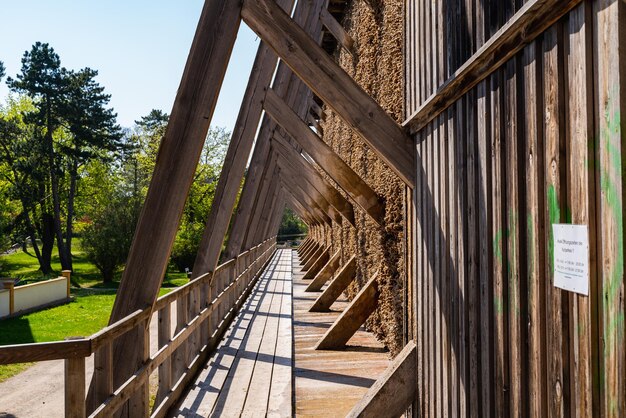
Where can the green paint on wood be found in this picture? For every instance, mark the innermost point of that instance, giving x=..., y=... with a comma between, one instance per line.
x=554, y=213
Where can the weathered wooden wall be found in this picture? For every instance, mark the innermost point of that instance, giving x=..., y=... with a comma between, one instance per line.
x=539, y=141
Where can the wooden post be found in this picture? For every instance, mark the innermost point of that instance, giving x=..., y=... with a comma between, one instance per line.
x=317, y=265
x=336, y=287
x=10, y=286
x=325, y=273
x=102, y=381
x=165, y=369
x=313, y=257
x=350, y=320
x=394, y=391
x=75, y=387
x=67, y=274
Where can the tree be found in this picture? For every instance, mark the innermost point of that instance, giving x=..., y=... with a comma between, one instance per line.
x=107, y=239
x=22, y=167
x=2, y=70
x=291, y=224
x=75, y=127
x=200, y=199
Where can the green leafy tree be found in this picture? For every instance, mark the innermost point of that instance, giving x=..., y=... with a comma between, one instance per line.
x=22, y=166
x=291, y=224
x=75, y=127
x=107, y=239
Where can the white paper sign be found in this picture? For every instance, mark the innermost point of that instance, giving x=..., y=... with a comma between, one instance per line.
x=571, y=258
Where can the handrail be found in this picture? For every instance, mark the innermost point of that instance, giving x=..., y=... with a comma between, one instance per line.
x=20, y=353
x=234, y=280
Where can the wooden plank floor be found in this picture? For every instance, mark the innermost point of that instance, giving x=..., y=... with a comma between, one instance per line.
x=329, y=383
x=253, y=373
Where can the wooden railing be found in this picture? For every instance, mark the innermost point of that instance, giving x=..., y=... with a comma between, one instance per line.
x=205, y=308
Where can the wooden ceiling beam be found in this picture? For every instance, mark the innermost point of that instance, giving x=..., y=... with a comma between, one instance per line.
x=330, y=162
x=333, y=85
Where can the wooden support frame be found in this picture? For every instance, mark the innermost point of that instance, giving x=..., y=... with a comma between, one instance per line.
x=325, y=273
x=317, y=265
x=309, y=251
x=237, y=156
x=297, y=163
x=301, y=196
x=285, y=85
x=336, y=168
x=350, y=320
x=394, y=391
x=533, y=18
x=335, y=28
x=333, y=85
x=312, y=256
x=296, y=178
x=269, y=174
x=344, y=277
x=307, y=186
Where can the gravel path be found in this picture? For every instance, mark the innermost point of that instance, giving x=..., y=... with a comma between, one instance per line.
x=39, y=392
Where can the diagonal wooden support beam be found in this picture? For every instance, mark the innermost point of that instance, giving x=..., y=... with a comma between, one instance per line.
x=236, y=158
x=350, y=320
x=299, y=180
x=336, y=168
x=300, y=209
x=307, y=200
x=333, y=85
x=344, y=277
x=312, y=257
x=176, y=164
x=338, y=32
x=325, y=273
x=393, y=392
x=308, y=186
x=295, y=160
x=304, y=245
x=309, y=253
x=316, y=264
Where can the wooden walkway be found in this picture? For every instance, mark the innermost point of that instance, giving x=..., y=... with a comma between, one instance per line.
x=267, y=357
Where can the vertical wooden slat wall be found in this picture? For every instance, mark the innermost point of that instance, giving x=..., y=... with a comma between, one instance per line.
x=538, y=142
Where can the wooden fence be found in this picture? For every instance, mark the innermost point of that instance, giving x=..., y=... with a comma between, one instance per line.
x=180, y=354
x=515, y=108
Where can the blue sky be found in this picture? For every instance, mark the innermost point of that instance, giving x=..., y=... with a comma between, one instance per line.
x=139, y=48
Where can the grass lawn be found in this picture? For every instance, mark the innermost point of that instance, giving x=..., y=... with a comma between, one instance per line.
x=86, y=314
x=25, y=267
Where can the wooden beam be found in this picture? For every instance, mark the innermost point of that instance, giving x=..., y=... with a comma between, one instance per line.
x=297, y=178
x=325, y=273
x=265, y=210
x=297, y=162
x=176, y=164
x=316, y=262
x=344, y=277
x=301, y=196
x=310, y=189
x=284, y=83
x=532, y=19
x=75, y=387
x=309, y=253
x=313, y=256
x=259, y=201
x=236, y=158
x=350, y=320
x=337, y=31
x=336, y=168
x=394, y=392
x=333, y=85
